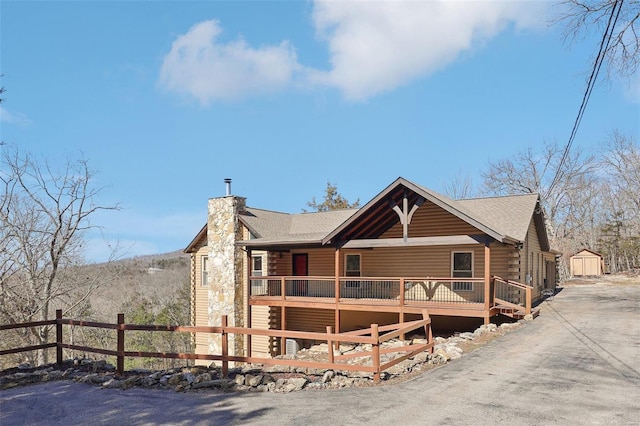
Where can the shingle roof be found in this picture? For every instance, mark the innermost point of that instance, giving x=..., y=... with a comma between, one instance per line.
x=276, y=227
x=505, y=218
x=509, y=215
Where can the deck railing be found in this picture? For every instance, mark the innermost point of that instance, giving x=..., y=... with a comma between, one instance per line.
x=406, y=290
x=444, y=290
x=512, y=294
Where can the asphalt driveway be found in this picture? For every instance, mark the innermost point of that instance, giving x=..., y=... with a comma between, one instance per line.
x=577, y=363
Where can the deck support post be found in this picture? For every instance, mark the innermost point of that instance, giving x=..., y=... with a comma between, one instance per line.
x=401, y=298
x=336, y=264
x=283, y=327
x=487, y=277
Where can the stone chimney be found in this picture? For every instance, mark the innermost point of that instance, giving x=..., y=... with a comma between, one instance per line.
x=225, y=273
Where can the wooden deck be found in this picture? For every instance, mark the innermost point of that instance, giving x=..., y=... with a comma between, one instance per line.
x=460, y=297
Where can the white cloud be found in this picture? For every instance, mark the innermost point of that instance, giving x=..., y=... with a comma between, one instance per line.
x=14, y=118
x=200, y=66
x=378, y=46
x=373, y=47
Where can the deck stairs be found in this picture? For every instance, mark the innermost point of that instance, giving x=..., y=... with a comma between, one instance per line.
x=516, y=312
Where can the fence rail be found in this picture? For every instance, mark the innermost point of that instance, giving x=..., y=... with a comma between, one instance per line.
x=374, y=336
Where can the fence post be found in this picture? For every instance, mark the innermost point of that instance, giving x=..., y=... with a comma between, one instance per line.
x=376, y=353
x=120, y=345
x=59, y=336
x=225, y=347
x=329, y=345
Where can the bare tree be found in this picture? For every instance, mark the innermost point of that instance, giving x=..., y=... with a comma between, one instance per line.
x=620, y=229
x=459, y=187
x=623, y=20
x=43, y=215
x=530, y=171
x=622, y=163
x=333, y=200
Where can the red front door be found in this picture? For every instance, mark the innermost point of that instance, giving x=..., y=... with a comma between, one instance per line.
x=300, y=269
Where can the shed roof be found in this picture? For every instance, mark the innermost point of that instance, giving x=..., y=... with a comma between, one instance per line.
x=595, y=253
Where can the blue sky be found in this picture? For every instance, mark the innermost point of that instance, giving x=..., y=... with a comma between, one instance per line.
x=166, y=99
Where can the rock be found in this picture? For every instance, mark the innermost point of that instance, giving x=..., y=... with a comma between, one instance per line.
x=266, y=379
x=422, y=357
x=298, y=382
x=328, y=375
x=528, y=317
x=467, y=336
x=189, y=377
x=253, y=381
x=204, y=377
x=509, y=325
x=156, y=376
x=114, y=383
x=217, y=383
x=130, y=382
x=239, y=379
x=288, y=387
x=440, y=356
x=175, y=379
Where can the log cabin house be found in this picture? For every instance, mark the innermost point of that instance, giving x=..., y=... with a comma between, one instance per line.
x=406, y=250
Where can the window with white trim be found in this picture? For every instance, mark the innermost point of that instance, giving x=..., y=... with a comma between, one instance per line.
x=259, y=286
x=462, y=266
x=204, y=261
x=256, y=266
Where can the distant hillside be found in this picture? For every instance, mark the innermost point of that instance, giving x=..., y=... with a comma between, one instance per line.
x=154, y=277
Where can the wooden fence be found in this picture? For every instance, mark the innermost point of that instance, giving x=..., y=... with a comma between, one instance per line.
x=374, y=336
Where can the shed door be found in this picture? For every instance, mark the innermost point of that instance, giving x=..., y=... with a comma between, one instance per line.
x=591, y=266
x=578, y=266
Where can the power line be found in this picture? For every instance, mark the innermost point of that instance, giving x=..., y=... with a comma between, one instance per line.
x=604, y=46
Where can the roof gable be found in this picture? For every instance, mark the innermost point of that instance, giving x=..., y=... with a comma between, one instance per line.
x=511, y=215
x=378, y=215
x=585, y=251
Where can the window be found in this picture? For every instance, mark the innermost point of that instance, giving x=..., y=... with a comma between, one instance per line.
x=256, y=266
x=352, y=265
x=462, y=266
x=352, y=269
x=205, y=271
x=258, y=287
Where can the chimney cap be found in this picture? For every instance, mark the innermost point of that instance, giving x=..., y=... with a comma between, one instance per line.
x=227, y=182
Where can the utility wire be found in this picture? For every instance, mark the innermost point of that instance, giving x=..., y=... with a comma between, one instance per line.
x=604, y=46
